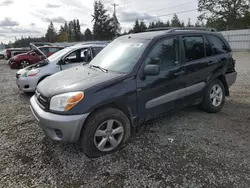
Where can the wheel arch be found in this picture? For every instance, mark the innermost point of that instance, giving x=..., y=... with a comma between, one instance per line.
x=222, y=78
x=115, y=105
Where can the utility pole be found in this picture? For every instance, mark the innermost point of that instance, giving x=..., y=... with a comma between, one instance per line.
x=115, y=5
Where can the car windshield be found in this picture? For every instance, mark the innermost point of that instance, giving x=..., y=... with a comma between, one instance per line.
x=121, y=55
x=58, y=54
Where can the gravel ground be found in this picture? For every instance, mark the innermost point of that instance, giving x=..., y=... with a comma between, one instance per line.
x=188, y=148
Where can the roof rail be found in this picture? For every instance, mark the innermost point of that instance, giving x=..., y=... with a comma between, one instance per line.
x=172, y=29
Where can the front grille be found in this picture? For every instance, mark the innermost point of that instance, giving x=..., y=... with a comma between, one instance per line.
x=42, y=101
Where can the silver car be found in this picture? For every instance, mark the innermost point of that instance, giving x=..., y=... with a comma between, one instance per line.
x=28, y=78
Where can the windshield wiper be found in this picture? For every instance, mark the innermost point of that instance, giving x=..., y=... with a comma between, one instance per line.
x=98, y=67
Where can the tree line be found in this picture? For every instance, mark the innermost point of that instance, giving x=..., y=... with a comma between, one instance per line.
x=221, y=15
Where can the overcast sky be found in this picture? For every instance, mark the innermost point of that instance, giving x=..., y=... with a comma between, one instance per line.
x=31, y=17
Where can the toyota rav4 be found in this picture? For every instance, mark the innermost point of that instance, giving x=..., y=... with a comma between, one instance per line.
x=135, y=78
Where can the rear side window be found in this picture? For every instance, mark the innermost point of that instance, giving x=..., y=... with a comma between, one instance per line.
x=194, y=48
x=218, y=45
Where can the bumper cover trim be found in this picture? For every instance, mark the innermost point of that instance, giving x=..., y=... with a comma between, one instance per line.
x=69, y=125
x=231, y=78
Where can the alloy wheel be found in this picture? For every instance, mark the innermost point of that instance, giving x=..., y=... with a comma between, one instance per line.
x=216, y=95
x=24, y=64
x=108, y=135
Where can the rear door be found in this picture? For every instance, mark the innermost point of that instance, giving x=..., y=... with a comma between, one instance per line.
x=199, y=64
x=158, y=94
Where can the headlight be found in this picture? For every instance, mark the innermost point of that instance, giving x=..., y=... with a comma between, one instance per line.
x=66, y=101
x=32, y=72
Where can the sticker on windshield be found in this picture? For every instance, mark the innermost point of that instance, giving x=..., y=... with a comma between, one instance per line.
x=137, y=45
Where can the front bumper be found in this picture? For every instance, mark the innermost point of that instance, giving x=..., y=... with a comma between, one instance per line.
x=231, y=78
x=64, y=128
x=13, y=64
x=27, y=84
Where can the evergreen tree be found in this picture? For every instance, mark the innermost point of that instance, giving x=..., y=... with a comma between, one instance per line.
x=182, y=24
x=142, y=26
x=168, y=24
x=78, y=30
x=51, y=34
x=136, y=28
x=102, y=29
x=224, y=14
x=175, y=22
x=115, y=25
x=88, y=35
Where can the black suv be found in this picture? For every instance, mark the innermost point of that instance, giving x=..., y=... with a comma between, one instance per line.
x=135, y=78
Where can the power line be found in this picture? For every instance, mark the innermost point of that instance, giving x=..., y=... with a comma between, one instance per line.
x=158, y=16
x=172, y=6
x=191, y=10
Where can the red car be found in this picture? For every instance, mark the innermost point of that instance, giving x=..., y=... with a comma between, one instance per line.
x=31, y=57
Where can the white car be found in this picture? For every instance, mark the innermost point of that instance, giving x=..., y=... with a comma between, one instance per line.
x=28, y=78
x=2, y=54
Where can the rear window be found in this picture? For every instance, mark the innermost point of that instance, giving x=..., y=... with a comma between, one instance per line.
x=218, y=45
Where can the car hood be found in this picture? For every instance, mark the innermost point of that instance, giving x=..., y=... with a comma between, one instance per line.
x=74, y=79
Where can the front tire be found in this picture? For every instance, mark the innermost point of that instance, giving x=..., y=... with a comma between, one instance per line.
x=214, y=97
x=106, y=131
x=24, y=64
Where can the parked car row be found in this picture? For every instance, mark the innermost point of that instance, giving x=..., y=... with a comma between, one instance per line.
x=133, y=79
x=29, y=77
x=34, y=56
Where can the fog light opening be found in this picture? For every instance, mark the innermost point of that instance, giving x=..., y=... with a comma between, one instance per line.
x=58, y=133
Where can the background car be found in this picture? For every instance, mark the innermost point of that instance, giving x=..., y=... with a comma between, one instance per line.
x=28, y=78
x=32, y=57
x=2, y=56
x=9, y=51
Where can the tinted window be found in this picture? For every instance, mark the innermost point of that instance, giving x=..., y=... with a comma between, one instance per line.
x=164, y=54
x=208, y=47
x=194, y=48
x=218, y=46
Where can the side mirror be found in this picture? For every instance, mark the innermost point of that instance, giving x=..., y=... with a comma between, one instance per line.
x=151, y=70
x=33, y=53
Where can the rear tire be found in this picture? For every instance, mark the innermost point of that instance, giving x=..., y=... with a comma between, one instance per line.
x=214, y=97
x=105, y=132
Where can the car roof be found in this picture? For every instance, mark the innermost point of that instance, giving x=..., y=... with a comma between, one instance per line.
x=154, y=34
x=87, y=45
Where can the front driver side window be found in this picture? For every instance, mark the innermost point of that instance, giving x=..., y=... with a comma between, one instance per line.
x=164, y=54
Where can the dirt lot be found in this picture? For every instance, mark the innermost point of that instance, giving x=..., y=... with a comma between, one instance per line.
x=189, y=148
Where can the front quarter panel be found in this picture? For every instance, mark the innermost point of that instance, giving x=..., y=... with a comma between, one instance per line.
x=121, y=93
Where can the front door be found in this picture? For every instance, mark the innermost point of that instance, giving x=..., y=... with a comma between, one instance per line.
x=158, y=94
x=76, y=58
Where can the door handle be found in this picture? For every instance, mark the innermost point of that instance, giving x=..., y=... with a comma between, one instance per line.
x=179, y=73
